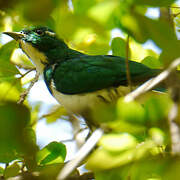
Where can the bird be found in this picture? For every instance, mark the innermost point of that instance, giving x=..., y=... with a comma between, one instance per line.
x=78, y=81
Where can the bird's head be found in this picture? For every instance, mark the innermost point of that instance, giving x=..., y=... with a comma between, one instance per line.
x=40, y=44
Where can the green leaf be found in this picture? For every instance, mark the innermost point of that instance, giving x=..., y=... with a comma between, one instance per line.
x=1, y=171
x=118, y=46
x=155, y=3
x=130, y=111
x=55, y=113
x=29, y=137
x=102, y=159
x=7, y=70
x=12, y=170
x=104, y=6
x=15, y=118
x=81, y=6
x=54, y=152
x=127, y=127
x=151, y=168
x=156, y=109
x=104, y=113
x=49, y=171
x=157, y=135
x=118, y=142
x=160, y=32
x=10, y=91
x=151, y=62
x=28, y=148
x=143, y=28
x=39, y=13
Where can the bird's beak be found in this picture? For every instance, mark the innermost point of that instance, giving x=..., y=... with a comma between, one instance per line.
x=15, y=35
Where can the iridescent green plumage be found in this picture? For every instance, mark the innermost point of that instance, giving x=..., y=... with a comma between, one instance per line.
x=85, y=74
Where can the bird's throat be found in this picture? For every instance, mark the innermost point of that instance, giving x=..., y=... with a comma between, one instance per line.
x=37, y=57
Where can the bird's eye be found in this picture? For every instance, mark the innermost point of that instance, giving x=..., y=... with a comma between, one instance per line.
x=39, y=32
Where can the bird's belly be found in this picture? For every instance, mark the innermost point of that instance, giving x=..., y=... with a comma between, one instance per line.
x=88, y=101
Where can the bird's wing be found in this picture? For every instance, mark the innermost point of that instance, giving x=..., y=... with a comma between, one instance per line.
x=91, y=73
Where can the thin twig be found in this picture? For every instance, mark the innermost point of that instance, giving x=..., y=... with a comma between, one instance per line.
x=22, y=75
x=67, y=140
x=22, y=66
x=81, y=154
x=25, y=93
x=128, y=75
x=148, y=85
x=175, y=15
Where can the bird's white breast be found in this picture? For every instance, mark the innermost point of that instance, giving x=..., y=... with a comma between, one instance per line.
x=81, y=102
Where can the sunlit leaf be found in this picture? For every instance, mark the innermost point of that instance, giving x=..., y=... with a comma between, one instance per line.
x=138, y=52
x=19, y=58
x=81, y=6
x=12, y=170
x=103, y=159
x=7, y=70
x=118, y=142
x=86, y=40
x=152, y=168
x=127, y=127
x=118, y=46
x=157, y=135
x=151, y=62
x=54, y=152
x=130, y=111
x=104, y=6
x=10, y=91
x=55, y=113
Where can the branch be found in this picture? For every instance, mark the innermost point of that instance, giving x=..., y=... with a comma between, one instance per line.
x=175, y=15
x=81, y=154
x=148, y=85
x=23, y=75
x=23, y=66
x=174, y=130
x=25, y=93
x=174, y=115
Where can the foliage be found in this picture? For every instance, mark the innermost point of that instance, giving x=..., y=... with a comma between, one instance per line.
x=139, y=144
